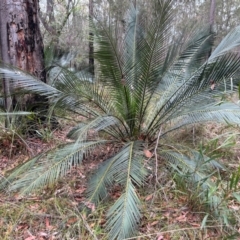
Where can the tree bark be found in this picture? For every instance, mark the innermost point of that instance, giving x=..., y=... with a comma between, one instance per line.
x=5, y=58
x=212, y=14
x=21, y=42
x=91, y=38
x=212, y=19
x=25, y=45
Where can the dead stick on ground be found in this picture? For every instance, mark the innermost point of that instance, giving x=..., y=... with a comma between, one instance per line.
x=156, y=156
x=156, y=166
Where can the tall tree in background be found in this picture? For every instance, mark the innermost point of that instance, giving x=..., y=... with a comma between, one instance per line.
x=212, y=14
x=21, y=42
x=91, y=38
x=54, y=26
x=212, y=19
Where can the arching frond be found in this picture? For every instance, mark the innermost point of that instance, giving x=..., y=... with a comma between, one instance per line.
x=26, y=82
x=127, y=163
x=223, y=113
x=229, y=43
x=98, y=185
x=47, y=169
x=196, y=166
x=197, y=87
x=127, y=170
x=124, y=215
x=109, y=123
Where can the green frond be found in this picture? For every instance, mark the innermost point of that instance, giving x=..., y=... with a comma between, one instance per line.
x=126, y=164
x=100, y=123
x=222, y=112
x=196, y=87
x=109, y=57
x=125, y=169
x=124, y=215
x=152, y=51
x=228, y=44
x=47, y=169
x=98, y=184
x=26, y=82
x=18, y=171
x=129, y=164
x=197, y=167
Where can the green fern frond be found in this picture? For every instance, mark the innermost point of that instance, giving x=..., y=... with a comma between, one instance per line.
x=124, y=216
x=194, y=166
x=223, y=113
x=26, y=82
x=49, y=168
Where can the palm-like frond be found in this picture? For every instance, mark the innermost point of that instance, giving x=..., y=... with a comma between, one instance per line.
x=124, y=215
x=80, y=131
x=222, y=112
x=49, y=168
x=228, y=44
x=194, y=165
x=23, y=81
x=124, y=169
x=193, y=90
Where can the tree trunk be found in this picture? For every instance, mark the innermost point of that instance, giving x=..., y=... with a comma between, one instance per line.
x=212, y=14
x=91, y=38
x=212, y=19
x=5, y=58
x=24, y=41
x=53, y=27
x=21, y=41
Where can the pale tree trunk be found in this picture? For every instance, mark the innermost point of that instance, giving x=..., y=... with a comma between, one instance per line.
x=51, y=25
x=21, y=42
x=135, y=3
x=91, y=38
x=212, y=19
x=212, y=14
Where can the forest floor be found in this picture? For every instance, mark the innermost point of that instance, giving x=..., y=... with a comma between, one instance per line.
x=168, y=211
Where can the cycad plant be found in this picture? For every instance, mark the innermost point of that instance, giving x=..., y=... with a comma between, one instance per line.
x=146, y=88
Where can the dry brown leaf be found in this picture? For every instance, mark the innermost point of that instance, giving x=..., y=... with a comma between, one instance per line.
x=182, y=218
x=34, y=206
x=147, y=153
x=81, y=190
x=195, y=224
x=92, y=225
x=30, y=238
x=149, y=197
x=48, y=226
x=72, y=220
x=213, y=86
x=47, y=223
x=154, y=223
